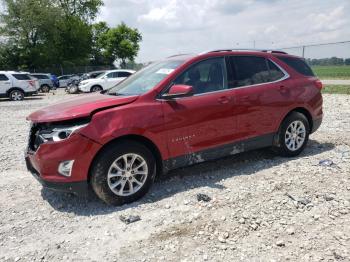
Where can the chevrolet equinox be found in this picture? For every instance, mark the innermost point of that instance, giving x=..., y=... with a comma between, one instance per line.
x=176, y=112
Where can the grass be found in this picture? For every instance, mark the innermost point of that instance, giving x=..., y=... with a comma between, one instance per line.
x=332, y=72
x=336, y=89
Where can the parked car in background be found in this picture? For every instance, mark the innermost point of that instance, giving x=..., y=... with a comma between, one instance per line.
x=65, y=80
x=45, y=82
x=176, y=112
x=17, y=85
x=104, y=81
x=95, y=74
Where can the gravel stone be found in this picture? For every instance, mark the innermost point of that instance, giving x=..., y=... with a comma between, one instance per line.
x=247, y=191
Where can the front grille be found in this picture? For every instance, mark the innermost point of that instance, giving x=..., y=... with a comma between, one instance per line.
x=34, y=138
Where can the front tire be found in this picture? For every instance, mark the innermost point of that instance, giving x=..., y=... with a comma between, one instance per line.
x=293, y=135
x=96, y=89
x=123, y=172
x=16, y=95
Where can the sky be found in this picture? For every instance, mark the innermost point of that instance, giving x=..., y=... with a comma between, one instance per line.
x=171, y=27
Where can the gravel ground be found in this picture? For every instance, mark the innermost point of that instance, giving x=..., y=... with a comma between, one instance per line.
x=262, y=207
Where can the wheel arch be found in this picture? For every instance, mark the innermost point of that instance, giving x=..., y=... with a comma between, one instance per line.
x=137, y=138
x=301, y=110
x=14, y=88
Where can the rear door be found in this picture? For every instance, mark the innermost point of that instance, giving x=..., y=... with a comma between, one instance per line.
x=5, y=84
x=261, y=93
x=202, y=121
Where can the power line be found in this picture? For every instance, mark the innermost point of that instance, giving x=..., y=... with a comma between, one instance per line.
x=310, y=45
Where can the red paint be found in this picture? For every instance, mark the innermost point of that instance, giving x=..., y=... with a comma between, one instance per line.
x=176, y=127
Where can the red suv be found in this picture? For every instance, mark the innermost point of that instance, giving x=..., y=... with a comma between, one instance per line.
x=180, y=111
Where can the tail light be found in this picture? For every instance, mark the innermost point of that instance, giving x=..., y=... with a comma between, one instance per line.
x=318, y=84
x=31, y=82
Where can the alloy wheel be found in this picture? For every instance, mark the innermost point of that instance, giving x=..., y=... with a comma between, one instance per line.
x=127, y=174
x=295, y=135
x=16, y=96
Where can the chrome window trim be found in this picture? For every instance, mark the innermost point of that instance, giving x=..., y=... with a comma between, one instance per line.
x=286, y=76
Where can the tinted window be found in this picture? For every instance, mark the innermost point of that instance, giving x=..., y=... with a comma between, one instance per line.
x=298, y=65
x=112, y=75
x=248, y=70
x=123, y=74
x=275, y=72
x=41, y=76
x=3, y=78
x=205, y=76
x=21, y=76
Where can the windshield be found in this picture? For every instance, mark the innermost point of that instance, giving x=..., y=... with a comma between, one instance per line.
x=145, y=79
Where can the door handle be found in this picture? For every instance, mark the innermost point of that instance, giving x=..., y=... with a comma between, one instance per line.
x=224, y=99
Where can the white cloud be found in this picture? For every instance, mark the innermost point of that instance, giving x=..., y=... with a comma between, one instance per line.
x=177, y=26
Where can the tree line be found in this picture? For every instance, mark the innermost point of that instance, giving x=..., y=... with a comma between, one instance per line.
x=328, y=61
x=50, y=33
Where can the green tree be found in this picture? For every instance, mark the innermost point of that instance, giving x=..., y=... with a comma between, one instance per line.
x=99, y=31
x=121, y=43
x=46, y=32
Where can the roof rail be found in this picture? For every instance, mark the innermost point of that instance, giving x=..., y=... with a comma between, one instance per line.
x=246, y=49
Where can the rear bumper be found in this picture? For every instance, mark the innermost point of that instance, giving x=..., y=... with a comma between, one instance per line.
x=316, y=123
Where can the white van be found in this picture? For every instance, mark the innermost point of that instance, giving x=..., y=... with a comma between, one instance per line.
x=17, y=85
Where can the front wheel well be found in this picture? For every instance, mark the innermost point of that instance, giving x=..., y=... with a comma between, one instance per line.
x=140, y=139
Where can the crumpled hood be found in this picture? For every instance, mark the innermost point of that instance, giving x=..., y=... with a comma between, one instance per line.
x=81, y=106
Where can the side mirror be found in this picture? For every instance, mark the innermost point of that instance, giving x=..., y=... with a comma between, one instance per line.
x=178, y=91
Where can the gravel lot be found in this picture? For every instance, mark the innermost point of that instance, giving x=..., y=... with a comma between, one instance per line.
x=262, y=208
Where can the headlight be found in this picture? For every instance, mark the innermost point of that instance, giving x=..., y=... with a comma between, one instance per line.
x=59, y=133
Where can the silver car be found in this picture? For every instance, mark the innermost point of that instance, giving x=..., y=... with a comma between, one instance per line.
x=45, y=82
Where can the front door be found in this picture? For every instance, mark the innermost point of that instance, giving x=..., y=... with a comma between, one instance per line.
x=203, y=121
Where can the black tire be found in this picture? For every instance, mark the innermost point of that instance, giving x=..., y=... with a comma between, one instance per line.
x=45, y=88
x=281, y=147
x=104, y=161
x=96, y=89
x=16, y=95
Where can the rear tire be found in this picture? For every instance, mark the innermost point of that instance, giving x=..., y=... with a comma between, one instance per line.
x=45, y=88
x=123, y=172
x=293, y=135
x=16, y=95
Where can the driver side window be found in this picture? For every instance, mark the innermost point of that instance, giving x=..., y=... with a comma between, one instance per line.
x=206, y=76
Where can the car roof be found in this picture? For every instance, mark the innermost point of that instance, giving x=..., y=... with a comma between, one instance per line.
x=231, y=51
x=121, y=70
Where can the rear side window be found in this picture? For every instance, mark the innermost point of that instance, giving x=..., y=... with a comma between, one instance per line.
x=41, y=76
x=123, y=74
x=298, y=65
x=3, y=77
x=251, y=70
x=275, y=72
x=21, y=76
